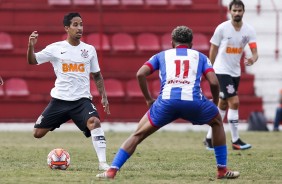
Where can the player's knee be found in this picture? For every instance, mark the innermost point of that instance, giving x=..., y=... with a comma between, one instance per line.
x=37, y=134
x=223, y=105
x=217, y=122
x=93, y=123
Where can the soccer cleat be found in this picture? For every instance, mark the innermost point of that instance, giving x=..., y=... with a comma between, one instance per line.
x=275, y=129
x=208, y=144
x=109, y=174
x=240, y=145
x=103, y=166
x=227, y=174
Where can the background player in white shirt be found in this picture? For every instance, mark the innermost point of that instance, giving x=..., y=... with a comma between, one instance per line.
x=227, y=46
x=180, y=72
x=73, y=62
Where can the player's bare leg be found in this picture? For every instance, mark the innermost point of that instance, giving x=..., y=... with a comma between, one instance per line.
x=40, y=132
x=143, y=130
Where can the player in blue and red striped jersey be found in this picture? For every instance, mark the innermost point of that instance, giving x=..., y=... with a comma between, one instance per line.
x=180, y=72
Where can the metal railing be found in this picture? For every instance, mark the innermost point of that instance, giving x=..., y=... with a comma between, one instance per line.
x=277, y=30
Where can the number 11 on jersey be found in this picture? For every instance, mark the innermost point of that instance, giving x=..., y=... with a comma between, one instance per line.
x=181, y=66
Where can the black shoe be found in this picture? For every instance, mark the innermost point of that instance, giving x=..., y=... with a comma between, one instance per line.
x=208, y=144
x=276, y=130
x=240, y=145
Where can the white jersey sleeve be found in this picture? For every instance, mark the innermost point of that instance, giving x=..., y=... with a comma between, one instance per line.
x=45, y=55
x=94, y=66
x=217, y=36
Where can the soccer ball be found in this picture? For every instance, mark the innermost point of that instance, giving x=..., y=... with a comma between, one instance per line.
x=58, y=159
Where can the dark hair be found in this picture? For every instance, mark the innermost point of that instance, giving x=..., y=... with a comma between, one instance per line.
x=236, y=2
x=182, y=34
x=68, y=17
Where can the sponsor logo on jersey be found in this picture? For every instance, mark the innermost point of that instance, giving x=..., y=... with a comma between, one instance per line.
x=73, y=67
x=234, y=50
x=178, y=81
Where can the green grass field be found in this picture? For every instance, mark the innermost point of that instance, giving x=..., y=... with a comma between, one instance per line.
x=164, y=158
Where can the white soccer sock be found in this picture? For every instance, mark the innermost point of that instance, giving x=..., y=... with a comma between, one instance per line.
x=233, y=121
x=222, y=114
x=209, y=134
x=99, y=143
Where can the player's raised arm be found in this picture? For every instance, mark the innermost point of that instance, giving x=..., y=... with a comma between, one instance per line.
x=30, y=48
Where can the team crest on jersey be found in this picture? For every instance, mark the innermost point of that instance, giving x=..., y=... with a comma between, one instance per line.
x=84, y=53
x=230, y=89
x=245, y=40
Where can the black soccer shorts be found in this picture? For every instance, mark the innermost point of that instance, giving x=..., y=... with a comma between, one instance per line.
x=228, y=85
x=59, y=111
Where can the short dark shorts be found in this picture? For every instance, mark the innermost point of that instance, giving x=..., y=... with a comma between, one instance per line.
x=228, y=85
x=59, y=111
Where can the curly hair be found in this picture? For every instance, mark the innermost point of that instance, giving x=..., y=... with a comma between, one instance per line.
x=182, y=34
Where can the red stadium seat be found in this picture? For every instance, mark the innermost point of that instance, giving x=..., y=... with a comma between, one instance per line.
x=132, y=89
x=59, y=3
x=123, y=42
x=16, y=87
x=181, y=2
x=109, y=2
x=132, y=2
x=84, y=2
x=5, y=41
x=148, y=42
x=100, y=44
x=157, y=2
x=1, y=91
x=166, y=41
x=113, y=88
x=200, y=42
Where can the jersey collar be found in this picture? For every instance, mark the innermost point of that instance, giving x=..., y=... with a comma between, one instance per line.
x=181, y=46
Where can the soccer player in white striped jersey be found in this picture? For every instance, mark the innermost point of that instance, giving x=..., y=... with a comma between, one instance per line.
x=73, y=62
x=180, y=71
x=227, y=46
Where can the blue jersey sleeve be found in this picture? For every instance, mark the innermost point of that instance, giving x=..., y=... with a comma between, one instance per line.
x=154, y=62
x=207, y=65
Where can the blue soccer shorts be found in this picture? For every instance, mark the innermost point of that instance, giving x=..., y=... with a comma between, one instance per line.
x=199, y=112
